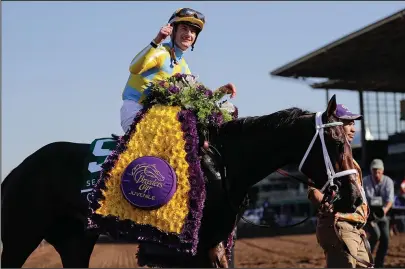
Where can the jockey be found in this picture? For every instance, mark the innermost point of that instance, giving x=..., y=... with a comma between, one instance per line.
x=161, y=60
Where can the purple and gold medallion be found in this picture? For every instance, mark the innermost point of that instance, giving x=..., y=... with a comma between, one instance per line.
x=148, y=182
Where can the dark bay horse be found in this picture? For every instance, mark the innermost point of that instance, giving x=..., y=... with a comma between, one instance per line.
x=41, y=197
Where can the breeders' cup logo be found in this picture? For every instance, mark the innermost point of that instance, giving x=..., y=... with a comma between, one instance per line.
x=148, y=182
x=147, y=176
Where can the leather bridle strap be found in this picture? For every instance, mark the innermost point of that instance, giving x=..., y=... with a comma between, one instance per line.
x=286, y=174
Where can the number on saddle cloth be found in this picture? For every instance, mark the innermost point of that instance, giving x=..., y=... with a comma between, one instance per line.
x=100, y=149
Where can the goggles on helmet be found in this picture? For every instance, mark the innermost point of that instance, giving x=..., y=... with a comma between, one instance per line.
x=188, y=15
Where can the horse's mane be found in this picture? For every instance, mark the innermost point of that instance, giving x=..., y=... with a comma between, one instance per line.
x=279, y=119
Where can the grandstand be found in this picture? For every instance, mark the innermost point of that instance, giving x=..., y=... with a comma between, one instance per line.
x=370, y=62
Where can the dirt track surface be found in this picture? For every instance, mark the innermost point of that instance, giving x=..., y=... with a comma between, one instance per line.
x=282, y=252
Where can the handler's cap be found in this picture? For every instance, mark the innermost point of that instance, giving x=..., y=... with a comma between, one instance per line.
x=343, y=113
x=377, y=164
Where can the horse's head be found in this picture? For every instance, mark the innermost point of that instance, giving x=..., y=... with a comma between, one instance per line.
x=328, y=160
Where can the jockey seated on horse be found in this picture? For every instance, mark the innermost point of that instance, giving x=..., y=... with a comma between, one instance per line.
x=161, y=60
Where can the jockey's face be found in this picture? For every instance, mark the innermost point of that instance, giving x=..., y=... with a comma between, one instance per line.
x=185, y=36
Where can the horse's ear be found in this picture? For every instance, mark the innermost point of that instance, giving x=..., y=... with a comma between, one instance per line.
x=331, y=106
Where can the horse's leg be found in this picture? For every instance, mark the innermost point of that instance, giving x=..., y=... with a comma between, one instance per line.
x=73, y=243
x=20, y=237
x=17, y=247
x=25, y=217
x=75, y=249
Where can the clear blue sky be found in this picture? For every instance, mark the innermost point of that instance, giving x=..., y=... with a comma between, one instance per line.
x=64, y=65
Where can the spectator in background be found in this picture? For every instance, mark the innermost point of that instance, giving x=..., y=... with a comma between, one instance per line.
x=399, y=206
x=400, y=198
x=379, y=190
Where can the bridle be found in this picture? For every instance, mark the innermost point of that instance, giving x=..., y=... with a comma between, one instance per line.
x=328, y=164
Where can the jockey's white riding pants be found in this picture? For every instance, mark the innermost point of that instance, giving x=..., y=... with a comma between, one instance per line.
x=128, y=112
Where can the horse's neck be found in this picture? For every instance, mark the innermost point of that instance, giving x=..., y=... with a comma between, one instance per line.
x=250, y=158
x=254, y=160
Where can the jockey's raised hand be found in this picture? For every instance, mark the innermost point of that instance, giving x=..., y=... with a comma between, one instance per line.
x=164, y=32
x=228, y=89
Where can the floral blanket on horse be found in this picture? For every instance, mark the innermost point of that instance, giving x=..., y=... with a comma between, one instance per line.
x=152, y=187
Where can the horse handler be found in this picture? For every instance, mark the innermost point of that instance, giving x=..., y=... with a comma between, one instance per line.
x=341, y=235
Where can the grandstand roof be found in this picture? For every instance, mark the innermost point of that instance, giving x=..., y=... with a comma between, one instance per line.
x=375, y=52
x=378, y=86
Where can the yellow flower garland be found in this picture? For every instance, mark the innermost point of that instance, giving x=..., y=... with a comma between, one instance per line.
x=158, y=134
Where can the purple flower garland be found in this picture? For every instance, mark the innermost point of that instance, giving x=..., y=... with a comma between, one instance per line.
x=229, y=244
x=197, y=184
x=187, y=241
